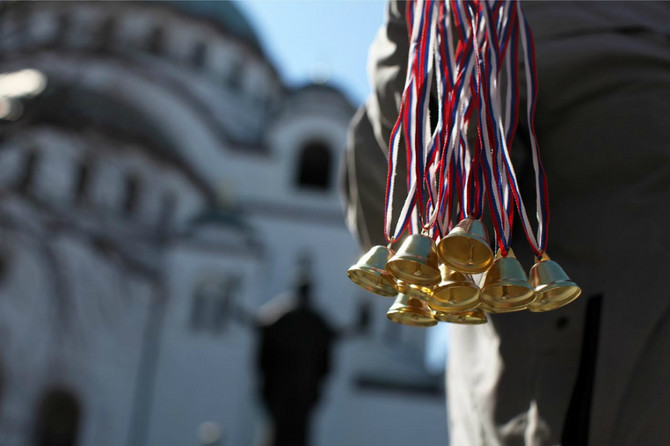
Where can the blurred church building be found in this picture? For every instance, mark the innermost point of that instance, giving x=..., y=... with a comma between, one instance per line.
x=159, y=186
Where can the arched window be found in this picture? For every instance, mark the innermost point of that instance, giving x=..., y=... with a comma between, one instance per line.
x=156, y=40
x=364, y=317
x=314, y=168
x=131, y=195
x=27, y=177
x=58, y=418
x=81, y=184
x=199, y=55
x=63, y=28
x=21, y=26
x=107, y=31
x=167, y=210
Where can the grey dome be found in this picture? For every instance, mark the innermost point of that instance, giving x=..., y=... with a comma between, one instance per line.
x=224, y=13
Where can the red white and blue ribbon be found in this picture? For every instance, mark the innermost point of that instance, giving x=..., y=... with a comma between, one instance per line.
x=461, y=55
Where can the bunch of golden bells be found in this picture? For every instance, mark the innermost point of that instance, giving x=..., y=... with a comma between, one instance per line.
x=427, y=291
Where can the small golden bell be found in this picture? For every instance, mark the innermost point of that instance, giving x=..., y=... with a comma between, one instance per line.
x=417, y=291
x=456, y=292
x=466, y=248
x=370, y=272
x=553, y=287
x=410, y=310
x=489, y=309
x=416, y=262
x=505, y=286
x=474, y=317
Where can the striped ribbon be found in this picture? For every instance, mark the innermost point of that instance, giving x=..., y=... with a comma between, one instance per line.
x=465, y=56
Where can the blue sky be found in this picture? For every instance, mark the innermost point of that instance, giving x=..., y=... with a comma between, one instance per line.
x=306, y=38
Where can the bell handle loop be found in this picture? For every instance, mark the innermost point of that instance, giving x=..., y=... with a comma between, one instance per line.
x=508, y=254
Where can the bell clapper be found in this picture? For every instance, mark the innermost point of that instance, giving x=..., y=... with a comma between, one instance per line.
x=471, y=246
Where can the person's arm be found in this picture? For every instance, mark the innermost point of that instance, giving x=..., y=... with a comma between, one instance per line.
x=366, y=155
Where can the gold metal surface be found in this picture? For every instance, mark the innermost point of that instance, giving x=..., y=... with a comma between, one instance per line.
x=456, y=292
x=416, y=262
x=553, y=287
x=410, y=310
x=370, y=272
x=505, y=286
x=474, y=317
x=466, y=248
x=489, y=309
x=418, y=291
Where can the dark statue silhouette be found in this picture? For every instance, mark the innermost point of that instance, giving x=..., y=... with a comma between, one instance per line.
x=293, y=360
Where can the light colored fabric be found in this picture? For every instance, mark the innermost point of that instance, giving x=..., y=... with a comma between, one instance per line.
x=602, y=120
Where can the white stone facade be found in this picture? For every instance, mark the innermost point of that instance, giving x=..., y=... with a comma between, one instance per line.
x=152, y=197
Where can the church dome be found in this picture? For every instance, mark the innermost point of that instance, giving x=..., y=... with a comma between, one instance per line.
x=223, y=13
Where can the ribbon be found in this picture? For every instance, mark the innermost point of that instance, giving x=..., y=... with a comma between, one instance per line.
x=461, y=54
